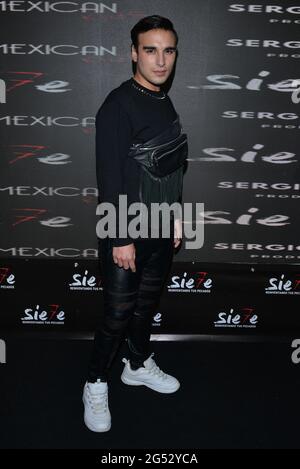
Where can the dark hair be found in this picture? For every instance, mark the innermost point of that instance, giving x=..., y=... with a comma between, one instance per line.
x=148, y=23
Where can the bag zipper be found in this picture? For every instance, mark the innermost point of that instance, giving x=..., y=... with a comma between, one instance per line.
x=159, y=146
x=166, y=153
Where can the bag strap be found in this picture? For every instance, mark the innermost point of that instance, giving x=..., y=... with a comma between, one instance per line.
x=159, y=139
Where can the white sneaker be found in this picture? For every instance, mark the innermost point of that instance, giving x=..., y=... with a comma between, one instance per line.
x=149, y=375
x=96, y=412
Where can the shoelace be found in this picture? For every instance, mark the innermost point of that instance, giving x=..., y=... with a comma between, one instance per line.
x=154, y=369
x=98, y=402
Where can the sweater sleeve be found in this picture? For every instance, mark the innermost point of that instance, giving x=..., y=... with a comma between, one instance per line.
x=113, y=139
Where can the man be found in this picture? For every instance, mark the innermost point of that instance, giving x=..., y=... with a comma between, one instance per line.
x=134, y=270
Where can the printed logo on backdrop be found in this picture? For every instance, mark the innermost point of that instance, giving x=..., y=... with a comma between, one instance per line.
x=157, y=320
x=239, y=8
x=269, y=45
x=264, y=189
x=194, y=282
x=257, y=154
x=267, y=119
x=252, y=216
x=28, y=153
x=39, y=215
x=87, y=122
x=237, y=318
x=51, y=314
x=49, y=252
x=257, y=84
x=7, y=278
x=279, y=12
x=58, y=7
x=87, y=50
x=18, y=79
x=283, y=285
x=65, y=191
x=84, y=280
x=262, y=251
x=261, y=83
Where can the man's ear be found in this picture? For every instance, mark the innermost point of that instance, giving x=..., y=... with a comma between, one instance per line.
x=133, y=53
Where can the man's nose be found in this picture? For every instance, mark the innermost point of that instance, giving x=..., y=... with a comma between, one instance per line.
x=160, y=59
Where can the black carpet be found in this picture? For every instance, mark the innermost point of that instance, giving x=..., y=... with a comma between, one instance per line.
x=232, y=395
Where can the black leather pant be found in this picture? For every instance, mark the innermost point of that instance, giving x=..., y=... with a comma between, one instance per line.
x=130, y=301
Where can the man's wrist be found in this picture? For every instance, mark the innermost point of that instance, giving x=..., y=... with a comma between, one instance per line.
x=118, y=242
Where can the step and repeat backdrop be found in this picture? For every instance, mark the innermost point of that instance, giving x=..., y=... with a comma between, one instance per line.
x=237, y=90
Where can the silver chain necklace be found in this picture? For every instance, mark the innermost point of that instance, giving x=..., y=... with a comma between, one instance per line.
x=149, y=94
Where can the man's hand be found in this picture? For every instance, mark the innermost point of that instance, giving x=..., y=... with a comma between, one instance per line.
x=177, y=233
x=124, y=256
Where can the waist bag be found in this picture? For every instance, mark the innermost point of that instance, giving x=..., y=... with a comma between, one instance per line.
x=161, y=160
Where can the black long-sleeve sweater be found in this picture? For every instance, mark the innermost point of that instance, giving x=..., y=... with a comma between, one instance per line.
x=130, y=113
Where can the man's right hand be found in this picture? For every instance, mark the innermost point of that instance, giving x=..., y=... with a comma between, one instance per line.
x=124, y=256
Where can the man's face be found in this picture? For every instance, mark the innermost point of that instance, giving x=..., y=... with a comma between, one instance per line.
x=155, y=57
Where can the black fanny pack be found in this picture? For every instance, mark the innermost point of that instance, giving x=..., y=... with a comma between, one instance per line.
x=164, y=153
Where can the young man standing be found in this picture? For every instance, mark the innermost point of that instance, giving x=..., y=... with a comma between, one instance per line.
x=134, y=270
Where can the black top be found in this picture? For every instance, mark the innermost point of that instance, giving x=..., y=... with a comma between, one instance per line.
x=130, y=114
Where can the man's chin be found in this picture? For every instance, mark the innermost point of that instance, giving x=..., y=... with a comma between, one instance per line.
x=159, y=80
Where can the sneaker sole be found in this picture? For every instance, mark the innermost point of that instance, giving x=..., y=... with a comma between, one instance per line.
x=132, y=382
x=95, y=429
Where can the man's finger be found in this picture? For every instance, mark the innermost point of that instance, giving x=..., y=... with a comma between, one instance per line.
x=125, y=264
x=132, y=265
x=177, y=242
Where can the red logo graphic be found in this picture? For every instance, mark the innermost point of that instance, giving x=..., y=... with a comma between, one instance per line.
x=34, y=214
x=22, y=152
x=7, y=279
x=18, y=82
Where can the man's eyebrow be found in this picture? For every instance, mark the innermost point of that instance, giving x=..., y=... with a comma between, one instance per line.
x=153, y=47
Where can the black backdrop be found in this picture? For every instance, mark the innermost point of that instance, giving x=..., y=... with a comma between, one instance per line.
x=235, y=89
